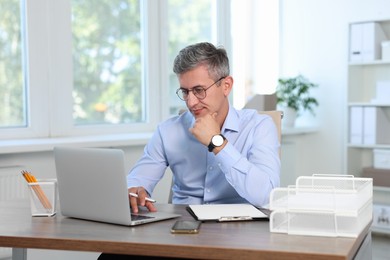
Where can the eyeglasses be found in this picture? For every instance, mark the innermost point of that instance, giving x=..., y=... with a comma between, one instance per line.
x=198, y=92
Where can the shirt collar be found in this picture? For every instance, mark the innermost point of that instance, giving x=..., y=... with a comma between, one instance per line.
x=232, y=120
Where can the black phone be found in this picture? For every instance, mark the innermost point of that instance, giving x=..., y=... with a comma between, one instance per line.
x=186, y=227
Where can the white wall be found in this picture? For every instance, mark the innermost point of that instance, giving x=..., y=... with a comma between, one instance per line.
x=314, y=42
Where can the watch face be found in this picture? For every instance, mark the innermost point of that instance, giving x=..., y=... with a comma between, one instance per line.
x=217, y=140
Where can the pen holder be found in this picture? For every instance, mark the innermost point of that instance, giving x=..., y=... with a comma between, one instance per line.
x=43, y=197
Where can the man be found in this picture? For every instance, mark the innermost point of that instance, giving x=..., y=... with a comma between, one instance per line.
x=217, y=154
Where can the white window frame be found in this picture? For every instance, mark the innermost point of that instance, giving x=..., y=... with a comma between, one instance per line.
x=60, y=64
x=36, y=76
x=49, y=77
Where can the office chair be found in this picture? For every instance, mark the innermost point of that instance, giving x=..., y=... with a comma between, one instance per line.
x=277, y=117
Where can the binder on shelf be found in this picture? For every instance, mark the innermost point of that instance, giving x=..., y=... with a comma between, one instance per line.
x=356, y=42
x=369, y=125
x=376, y=126
x=356, y=125
x=365, y=41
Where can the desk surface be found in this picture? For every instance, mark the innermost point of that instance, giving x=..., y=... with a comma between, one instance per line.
x=243, y=240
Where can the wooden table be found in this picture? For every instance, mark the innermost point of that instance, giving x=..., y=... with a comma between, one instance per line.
x=238, y=240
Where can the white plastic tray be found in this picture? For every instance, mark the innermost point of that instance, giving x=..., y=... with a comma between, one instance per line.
x=322, y=205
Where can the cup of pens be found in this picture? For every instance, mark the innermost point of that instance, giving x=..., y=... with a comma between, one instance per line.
x=43, y=195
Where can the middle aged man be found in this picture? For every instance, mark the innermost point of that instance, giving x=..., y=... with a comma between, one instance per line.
x=217, y=154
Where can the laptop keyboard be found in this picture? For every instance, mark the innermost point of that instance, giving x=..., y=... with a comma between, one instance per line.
x=135, y=217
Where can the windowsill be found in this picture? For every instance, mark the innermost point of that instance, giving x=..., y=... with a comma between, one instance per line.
x=47, y=144
x=288, y=131
x=115, y=140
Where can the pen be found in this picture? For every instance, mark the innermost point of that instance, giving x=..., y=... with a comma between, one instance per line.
x=136, y=196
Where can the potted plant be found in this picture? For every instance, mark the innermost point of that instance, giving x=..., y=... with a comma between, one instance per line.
x=294, y=95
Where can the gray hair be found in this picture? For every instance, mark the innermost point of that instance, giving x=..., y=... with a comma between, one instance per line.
x=203, y=53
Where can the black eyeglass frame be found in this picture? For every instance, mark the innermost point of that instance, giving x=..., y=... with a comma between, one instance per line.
x=196, y=95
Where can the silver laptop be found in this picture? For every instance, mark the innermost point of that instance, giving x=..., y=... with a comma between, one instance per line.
x=92, y=185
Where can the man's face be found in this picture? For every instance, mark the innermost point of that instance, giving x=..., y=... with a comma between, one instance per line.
x=216, y=95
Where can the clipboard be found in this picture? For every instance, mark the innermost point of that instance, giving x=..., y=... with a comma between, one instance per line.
x=226, y=212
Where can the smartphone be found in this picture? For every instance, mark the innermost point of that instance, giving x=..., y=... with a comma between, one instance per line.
x=186, y=227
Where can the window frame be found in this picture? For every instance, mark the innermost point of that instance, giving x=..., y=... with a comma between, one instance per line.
x=49, y=71
x=61, y=61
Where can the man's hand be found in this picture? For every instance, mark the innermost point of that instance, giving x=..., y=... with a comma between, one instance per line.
x=141, y=201
x=205, y=128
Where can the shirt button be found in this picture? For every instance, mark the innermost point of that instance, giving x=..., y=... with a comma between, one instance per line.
x=211, y=168
x=208, y=190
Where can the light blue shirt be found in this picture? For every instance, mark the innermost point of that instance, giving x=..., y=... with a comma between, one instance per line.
x=245, y=170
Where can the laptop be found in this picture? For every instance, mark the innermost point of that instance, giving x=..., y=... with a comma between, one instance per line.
x=92, y=185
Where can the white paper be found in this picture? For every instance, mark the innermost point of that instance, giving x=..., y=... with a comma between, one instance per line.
x=226, y=212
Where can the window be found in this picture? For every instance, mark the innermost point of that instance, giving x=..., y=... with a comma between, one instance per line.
x=189, y=22
x=107, y=65
x=88, y=67
x=255, y=37
x=12, y=84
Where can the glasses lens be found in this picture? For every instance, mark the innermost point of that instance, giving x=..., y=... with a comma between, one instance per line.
x=199, y=92
x=182, y=93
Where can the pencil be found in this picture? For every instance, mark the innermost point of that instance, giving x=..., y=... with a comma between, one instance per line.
x=37, y=189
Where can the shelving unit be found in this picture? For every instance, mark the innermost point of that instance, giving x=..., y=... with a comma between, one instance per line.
x=361, y=90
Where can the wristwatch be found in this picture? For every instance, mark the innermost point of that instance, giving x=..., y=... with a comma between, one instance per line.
x=216, y=141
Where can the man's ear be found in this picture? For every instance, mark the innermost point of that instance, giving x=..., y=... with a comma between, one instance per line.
x=227, y=85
